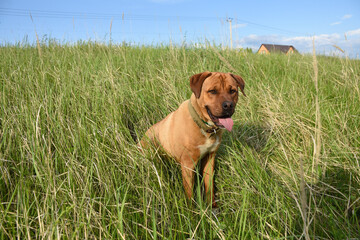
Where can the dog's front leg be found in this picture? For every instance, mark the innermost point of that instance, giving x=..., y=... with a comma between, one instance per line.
x=188, y=170
x=208, y=164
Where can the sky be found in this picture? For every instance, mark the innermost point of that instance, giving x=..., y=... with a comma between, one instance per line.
x=333, y=25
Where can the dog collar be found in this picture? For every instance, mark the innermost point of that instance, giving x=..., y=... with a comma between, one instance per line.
x=212, y=129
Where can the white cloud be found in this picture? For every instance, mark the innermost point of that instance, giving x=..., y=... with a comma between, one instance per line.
x=347, y=16
x=353, y=32
x=335, y=23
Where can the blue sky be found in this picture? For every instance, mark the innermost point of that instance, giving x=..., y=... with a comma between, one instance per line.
x=194, y=22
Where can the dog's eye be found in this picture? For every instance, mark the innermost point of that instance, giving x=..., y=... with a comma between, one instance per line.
x=232, y=91
x=213, y=91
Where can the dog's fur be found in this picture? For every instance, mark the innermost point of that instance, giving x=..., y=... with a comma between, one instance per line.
x=214, y=96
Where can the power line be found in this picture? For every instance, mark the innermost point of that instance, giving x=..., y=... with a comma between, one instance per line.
x=130, y=17
x=268, y=27
x=89, y=15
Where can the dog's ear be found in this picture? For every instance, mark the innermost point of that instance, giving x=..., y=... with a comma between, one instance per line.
x=196, y=82
x=240, y=82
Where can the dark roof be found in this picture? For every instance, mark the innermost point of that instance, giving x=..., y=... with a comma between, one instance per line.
x=278, y=48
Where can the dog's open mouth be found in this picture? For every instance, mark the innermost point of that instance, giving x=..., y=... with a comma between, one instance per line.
x=222, y=122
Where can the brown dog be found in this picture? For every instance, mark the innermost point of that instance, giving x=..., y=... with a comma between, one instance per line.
x=193, y=131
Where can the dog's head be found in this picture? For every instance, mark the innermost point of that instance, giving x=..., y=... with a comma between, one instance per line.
x=217, y=95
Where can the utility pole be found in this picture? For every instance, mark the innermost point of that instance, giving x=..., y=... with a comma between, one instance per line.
x=231, y=40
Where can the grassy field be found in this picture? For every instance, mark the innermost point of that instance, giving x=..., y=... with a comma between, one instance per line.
x=290, y=169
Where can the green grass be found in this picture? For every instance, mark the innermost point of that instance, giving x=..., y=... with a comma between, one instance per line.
x=70, y=169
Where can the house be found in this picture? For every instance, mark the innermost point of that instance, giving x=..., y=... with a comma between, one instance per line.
x=272, y=48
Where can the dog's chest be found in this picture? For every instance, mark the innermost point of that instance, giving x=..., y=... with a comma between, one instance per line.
x=210, y=145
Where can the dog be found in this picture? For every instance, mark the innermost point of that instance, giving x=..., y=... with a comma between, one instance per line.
x=192, y=133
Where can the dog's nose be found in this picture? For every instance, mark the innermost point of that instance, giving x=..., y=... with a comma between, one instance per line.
x=227, y=105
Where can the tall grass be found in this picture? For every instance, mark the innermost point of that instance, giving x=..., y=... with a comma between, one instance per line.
x=70, y=169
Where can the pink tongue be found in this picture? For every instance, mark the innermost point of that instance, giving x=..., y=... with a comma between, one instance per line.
x=227, y=123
